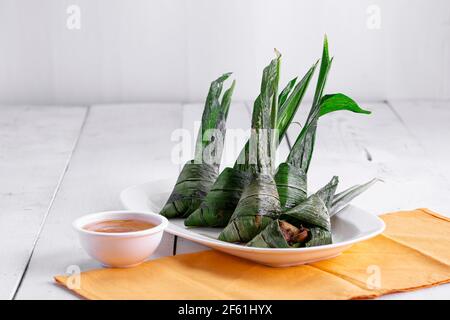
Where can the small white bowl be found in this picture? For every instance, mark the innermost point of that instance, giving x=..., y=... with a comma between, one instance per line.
x=121, y=250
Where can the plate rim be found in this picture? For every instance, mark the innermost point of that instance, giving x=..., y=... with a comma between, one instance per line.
x=217, y=243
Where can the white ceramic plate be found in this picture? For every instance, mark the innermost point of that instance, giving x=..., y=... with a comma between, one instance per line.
x=349, y=226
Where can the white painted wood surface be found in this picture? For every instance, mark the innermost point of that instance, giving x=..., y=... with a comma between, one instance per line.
x=116, y=149
x=403, y=143
x=429, y=124
x=35, y=147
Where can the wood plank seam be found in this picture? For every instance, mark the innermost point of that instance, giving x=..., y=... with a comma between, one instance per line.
x=174, y=251
x=414, y=136
x=411, y=133
x=55, y=193
x=397, y=115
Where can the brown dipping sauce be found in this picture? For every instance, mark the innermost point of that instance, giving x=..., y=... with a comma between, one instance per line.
x=118, y=226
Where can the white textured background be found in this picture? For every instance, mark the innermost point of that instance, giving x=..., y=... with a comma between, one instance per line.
x=169, y=50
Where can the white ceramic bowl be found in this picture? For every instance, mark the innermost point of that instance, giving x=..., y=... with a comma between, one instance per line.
x=121, y=250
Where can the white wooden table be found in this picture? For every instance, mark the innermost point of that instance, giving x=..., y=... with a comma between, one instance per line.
x=58, y=163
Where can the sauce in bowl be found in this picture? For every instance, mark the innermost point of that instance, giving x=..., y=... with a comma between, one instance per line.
x=118, y=226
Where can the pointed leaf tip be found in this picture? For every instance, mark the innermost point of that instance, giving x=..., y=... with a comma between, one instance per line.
x=277, y=53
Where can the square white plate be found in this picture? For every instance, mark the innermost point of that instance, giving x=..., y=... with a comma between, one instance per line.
x=349, y=226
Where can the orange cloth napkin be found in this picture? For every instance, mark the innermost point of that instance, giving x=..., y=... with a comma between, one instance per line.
x=413, y=252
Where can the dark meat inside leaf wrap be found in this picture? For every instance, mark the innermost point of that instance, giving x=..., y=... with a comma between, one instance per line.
x=280, y=234
x=313, y=213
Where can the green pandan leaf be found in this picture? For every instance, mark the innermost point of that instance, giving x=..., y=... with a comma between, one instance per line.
x=301, y=153
x=319, y=237
x=286, y=91
x=343, y=198
x=288, y=109
x=338, y=101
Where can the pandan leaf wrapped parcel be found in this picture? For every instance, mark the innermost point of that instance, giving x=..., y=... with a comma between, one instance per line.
x=198, y=175
x=220, y=203
x=259, y=203
x=309, y=223
x=314, y=214
x=306, y=224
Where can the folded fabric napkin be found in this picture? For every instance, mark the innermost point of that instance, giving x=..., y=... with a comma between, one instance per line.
x=413, y=252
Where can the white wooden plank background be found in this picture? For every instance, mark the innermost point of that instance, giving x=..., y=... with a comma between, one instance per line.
x=35, y=147
x=185, y=43
x=117, y=148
